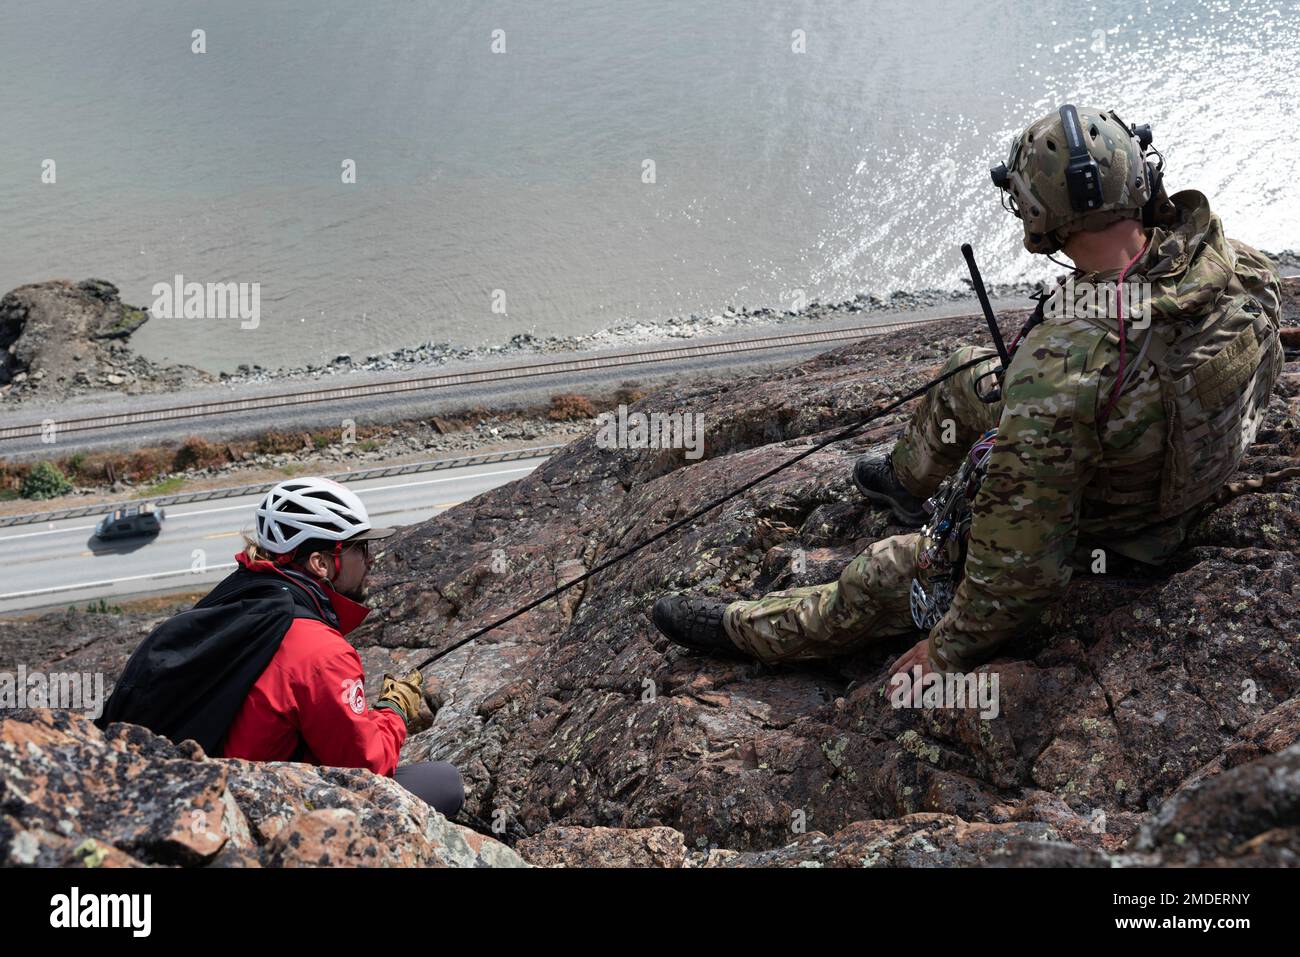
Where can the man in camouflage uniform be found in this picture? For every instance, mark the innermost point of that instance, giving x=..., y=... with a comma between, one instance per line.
x=1091, y=452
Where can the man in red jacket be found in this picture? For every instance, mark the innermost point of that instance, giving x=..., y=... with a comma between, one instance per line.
x=260, y=668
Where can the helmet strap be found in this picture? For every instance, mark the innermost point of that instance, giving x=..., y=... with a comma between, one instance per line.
x=1123, y=340
x=287, y=558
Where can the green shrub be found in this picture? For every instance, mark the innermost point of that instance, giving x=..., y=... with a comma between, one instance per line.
x=45, y=481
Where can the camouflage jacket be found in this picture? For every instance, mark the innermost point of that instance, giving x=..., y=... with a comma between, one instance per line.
x=1067, y=486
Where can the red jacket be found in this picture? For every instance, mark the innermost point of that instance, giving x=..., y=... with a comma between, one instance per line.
x=310, y=702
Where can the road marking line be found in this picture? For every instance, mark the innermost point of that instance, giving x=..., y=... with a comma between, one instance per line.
x=387, y=488
x=48, y=531
x=173, y=515
x=113, y=581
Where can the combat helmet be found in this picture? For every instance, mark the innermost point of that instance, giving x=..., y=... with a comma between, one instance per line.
x=1077, y=169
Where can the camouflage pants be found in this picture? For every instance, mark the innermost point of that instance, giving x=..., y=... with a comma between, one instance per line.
x=869, y=602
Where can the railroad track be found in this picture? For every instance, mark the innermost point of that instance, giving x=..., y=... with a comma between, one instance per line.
x=264, y=403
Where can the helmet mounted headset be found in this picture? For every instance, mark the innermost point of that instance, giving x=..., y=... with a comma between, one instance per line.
x=1035, y=179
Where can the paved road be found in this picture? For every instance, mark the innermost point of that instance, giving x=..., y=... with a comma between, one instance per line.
x=60, y=563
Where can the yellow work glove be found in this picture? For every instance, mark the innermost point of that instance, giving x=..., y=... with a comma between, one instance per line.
x=403, y=695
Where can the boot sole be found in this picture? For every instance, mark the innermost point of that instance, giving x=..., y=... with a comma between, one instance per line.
x=721, y=644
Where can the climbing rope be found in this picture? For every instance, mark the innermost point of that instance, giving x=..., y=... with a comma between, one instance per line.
x=845, y=433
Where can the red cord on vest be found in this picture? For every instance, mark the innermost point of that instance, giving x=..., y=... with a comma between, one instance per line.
x=1123, y=339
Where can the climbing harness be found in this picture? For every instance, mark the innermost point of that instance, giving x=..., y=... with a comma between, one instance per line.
x=941, y=551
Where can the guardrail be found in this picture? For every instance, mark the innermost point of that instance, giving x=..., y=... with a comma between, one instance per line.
x=235, y=491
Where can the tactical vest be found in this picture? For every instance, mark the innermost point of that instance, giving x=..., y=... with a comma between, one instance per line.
x=1216, y=376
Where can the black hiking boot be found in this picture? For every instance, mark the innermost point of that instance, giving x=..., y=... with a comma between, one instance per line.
x=874, y=476
x=693, y=622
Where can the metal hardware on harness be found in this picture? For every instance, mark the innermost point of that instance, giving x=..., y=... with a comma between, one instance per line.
x=941, y=552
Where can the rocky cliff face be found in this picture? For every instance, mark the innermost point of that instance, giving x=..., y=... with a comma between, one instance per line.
x=58, y=339
x=1146, y=720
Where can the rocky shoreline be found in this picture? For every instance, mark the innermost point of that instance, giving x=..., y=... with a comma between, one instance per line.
x=50, y=337
x=632, y=334
x=60, y=340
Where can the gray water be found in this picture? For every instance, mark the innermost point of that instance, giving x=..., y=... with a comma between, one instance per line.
x=856, y=167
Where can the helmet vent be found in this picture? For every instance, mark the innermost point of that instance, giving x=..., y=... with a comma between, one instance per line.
x=1051, y=146
x=298, y=510
x=1093, y=130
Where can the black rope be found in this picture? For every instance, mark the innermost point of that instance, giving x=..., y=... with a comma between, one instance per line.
x=683, y=522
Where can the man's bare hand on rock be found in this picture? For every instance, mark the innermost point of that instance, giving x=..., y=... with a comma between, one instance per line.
x=918, y=654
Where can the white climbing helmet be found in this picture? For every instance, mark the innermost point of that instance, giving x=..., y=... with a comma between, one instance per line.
x=304, y=508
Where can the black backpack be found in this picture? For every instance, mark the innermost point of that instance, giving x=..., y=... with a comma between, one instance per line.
x=189, y=678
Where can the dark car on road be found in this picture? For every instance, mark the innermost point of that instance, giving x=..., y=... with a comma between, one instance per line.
x=130, y=521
